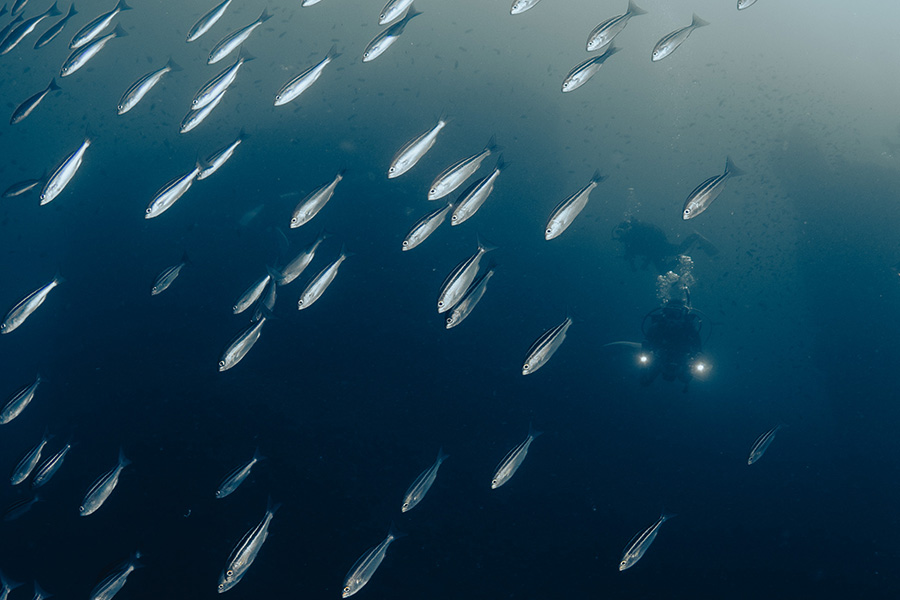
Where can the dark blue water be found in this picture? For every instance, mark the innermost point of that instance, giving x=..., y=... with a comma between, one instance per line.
x=351, y=399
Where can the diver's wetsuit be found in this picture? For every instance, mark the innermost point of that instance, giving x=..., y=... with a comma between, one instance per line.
x=672, y=340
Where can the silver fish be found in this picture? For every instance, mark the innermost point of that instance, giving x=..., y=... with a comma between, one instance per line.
x=302, y=82
x=704, y=194
x=520, y=6
x=468, y=302
x=425, y=227
x=545, y=346
x=310, y=206
x=742, y=4
x=24, y=28
x=472, y=199
x=95, y=27
x=367, y=564
x=63, y=174
x=266, y=303
x=28, y=462
x=195, y=117
x=298, y=264
x=9, y=26
x=214, y=88
x=393, y=10
x=21, y=187
x=309, y=2
x=49, y=468
x=142, y=86
x=110, y=585
x=384, y=40
x=414, y=150
x=670, y=42
x=513, y=460
x=762, y=444
x=55, y=30
x=460, y=278
x=168, y=276
x=235, y=39
x=241, y=345
x=237, y=476
x=251, y=294
x=456, y=174
x=220, y=157
x=246, y=551
x=640, y=542
x=606, y=31
x=24, y=109
x=103, y=487
x=566, y=211
x=582, y=72
x=17, y=8
x=18, y=402
x=82, y=55
x=317, y=286
x=27, y=305
x=205, y=22
x=170, y=193
x=422, y=484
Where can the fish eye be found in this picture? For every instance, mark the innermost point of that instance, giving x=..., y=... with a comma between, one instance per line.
x=406, y=505
x=294, y=220
x=221, y=363
x=493, y=482
x=229, y=572
x=80, y=509
x=449, y=320
x=549, y=230
x=454, y=218
x=347, y=588
x=221, y=586
x=526, y=366
x=148, y=210
x=440, y=302
x=405, y=243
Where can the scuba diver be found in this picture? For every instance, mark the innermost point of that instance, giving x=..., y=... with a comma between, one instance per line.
x=649, y=243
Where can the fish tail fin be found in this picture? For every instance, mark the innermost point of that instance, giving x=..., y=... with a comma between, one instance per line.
x=665, y=516
x=265, y=16
x=185, y=258
x=598, y=178
x=412, y=12
x=174, y=67
x=39, y=591
x=394, y=532
x=135, y=563
x=634, y=10
x=119, y=31
x=122, y=6
x=610, y=50
x=72, y=11
x=731, y=169
x=484, y=245
x=697, y=21
x=123, y=460
x=332, y=52
x=243, y=135
x=257, y=455
x=53, y=85
x=442, y=456
x=58, y=278
x=8, y=583
x=534, y=433
x=245, y=56
x=272, y=507
x=492, y=145
x=53, y=10
x=275, y=274
x=345, y=253
x=501, y=164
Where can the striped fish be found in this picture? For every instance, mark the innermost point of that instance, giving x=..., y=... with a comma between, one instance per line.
x=64, y=174
x=460, y=278
x=670, y=42
x=234, y=479
x=606, y=31
x=19, y=401
x=245, y=552
x=50, y=466
x=513, y=460
x=110, y=585
x=90, y=31
x=468, y=302
x=422, y=484
x=640, y=542
x=566, y=211
x=26, y=465
x=206, y=22
x=367, y=564
x=168, y=276
x=425, y=226
x=704, y=194
x=103, y=487
x=762, y=444
x=545, y=346
x=241, y=345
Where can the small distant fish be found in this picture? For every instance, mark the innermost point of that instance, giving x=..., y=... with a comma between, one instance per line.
x=605, y=32
x=460, y=278
x=520, y=6
x=237, y=476
x=233, y=40
x=302, y=82
x=103, y=487
x=423, y=483
x=310, y=206
x=19, y=401
x=55, y=30
x=456, y=174
x=63, y=174
x=384, y=40
x=513, y=460
x=24, y=28
x=168, y=276
x=49, y=467
x=317, y=286
x=28, y=462
x=24, y=109
x=95, y=27
x=704, y=194
x=425, y=226
x=640, y=542
x=393, y=10
x=545, y=346
x=251, y=294
x=241, y=345
x=216, y=86
x=27, y=305
x=170, y=193
x=762, y=444
x=21, y=187
x=298, y=264
x=670, y=42
x=110, y=585
x=206, y=22
x=220, y=157
x=246, y=551
x=465, y=306
x=584, y=71
x=742, y=4
x=82, y=55
x=414, y=150
x=142, y=86
x=195, y=117
x=566, y=211
x=367, y=564
x=19, y=508
x=475, y=196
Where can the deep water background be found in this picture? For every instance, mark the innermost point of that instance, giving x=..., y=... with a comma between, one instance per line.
x=351, y=399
